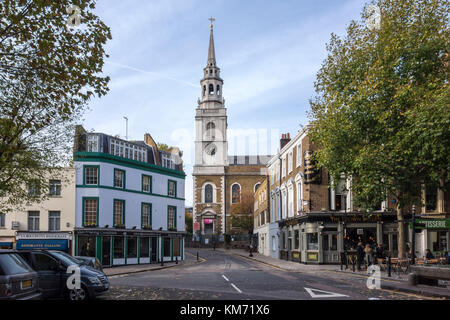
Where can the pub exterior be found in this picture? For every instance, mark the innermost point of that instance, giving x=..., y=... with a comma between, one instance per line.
x=129, y=200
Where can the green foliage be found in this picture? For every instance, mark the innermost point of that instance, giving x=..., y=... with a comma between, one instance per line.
x=48, y=73
x=188, y=222
x=381, y=113
x=242, y=213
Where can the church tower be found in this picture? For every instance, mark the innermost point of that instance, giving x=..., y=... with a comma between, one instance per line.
x=211, y=119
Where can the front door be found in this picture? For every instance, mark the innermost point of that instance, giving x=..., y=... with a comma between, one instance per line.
x=106, y=251
x=154, y=246
x=329, y=248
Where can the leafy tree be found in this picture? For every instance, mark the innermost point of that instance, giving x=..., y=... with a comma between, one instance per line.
x=188, y=222
x=49, y=69
x=381, y=113
x=242, y=213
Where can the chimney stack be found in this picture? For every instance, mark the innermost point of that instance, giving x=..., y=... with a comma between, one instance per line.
x=285, y=138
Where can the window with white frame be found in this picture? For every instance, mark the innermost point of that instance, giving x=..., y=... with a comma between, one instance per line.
x=283, y=168
x=290, y=201
x=90, y=212
x=146, y=216
x=128, y=150
x=92, y=143
x=299, y=196
x=171, y=217
x=146, y=183
x=33, y=220
x=299, y=155
x=54, y=221
x=290, y=164
x=119, y=212
x=55, y=187
x=167, y=161
x=2, y=220
x=278, y=171
x=172, y=188
x=91, y=175
x=119, y=178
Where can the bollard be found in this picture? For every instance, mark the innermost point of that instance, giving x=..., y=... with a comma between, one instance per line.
x=346, y=260
x=162, y=261
x=388, y=262
x=197, y=255
x=176, y=260
x=342, y=262
x=354, y=264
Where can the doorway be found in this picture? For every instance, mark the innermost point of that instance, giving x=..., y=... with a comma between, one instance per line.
x=106, y=251
x=154, y=248
x=329, y=248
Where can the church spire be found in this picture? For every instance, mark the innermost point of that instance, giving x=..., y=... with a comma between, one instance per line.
x=211, y=52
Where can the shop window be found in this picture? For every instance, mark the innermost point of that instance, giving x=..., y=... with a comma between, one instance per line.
x=166, y=251
x=312, y=241
x=86, y=246
x=132, y=247
x=297, y=239
x=431, y=198
x=438, y=240
x=118, y=248
x=144, y=247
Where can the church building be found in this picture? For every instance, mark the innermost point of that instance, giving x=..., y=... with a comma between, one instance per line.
x=220, y=181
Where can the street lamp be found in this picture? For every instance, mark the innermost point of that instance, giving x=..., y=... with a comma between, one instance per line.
x=344, y=193
x=413, y=236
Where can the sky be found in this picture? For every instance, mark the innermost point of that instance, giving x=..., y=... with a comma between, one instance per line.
x=268, y=51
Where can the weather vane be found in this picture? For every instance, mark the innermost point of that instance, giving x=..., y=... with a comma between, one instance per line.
x=212, y=20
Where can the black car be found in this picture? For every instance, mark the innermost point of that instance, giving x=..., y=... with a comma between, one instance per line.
x=52, y=268
x=18, y=281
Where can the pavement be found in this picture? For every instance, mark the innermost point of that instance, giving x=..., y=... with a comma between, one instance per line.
x=397, y=282
x=131, y=269
x=232, y=275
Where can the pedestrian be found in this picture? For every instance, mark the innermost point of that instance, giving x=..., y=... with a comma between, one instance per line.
x=360, y=255
x=368, y=252
x=428, y=254
x=379, y=253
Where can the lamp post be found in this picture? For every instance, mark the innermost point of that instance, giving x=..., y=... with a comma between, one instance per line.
x=344, y=193
x=413, y=236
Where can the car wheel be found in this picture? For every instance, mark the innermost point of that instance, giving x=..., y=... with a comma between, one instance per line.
x=78, y=294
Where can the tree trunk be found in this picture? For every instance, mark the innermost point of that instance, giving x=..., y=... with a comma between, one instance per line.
x=401, y=240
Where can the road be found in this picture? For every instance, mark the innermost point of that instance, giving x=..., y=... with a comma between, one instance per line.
x=223, y=276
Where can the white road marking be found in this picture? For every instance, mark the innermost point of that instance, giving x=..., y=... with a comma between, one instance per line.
x=225, y=278
x=237, y=289
x=324, y=294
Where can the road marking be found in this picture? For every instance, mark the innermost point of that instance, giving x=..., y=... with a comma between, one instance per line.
x=237, y=289
x=225, y=278
x=324, y=294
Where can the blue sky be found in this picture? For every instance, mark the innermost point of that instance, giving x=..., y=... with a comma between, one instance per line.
x=268, y=52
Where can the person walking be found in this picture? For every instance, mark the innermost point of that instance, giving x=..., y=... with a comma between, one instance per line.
x=360, y=255
x=379, y=253
x=368, y=253
x=428, y=254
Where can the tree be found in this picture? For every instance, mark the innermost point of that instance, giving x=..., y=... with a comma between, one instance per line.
x=380, y=114
x=242, y=213
x=49, y=70
x=188, y=222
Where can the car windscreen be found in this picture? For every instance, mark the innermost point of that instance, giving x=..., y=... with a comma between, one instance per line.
x=11, y=263
x=66, y=259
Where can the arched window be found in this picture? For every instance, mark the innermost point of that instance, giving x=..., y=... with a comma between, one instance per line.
x=235, y=193
x=211, y=130
x=204, y=90
x=208, y=193
x=211, y=89
x=218, y=90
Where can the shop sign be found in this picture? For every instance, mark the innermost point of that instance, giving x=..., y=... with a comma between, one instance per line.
x=42, y=244
x=357, y=218
x=196, y=226
x=433, y=223
x=208, y=221
x=296, y=255
x=38, y=235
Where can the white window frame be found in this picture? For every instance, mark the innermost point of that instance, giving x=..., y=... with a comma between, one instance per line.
x=299, y=155
x=93, y=143
x=290, y=161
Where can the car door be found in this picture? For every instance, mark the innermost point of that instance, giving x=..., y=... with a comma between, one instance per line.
x=49, y=274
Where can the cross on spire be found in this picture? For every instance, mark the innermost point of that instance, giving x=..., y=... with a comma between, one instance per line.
x=212, y=20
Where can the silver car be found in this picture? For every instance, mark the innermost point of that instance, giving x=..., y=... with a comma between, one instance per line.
x=18, y=281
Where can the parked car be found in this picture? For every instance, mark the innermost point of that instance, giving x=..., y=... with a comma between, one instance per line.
x=51, y=267
x=91, y=262
x=18, y=281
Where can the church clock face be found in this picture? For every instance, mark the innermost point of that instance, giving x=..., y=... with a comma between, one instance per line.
x=210, y=149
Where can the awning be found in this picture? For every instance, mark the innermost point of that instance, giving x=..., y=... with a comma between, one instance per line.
x=42, y=244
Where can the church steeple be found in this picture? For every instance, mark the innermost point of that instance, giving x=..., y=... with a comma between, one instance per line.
x=211, y=82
